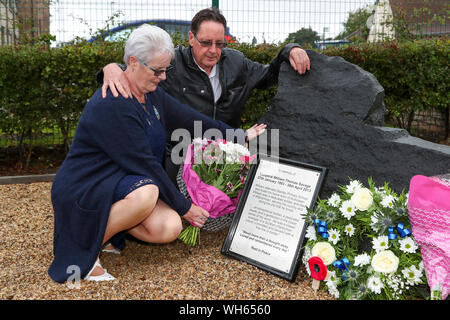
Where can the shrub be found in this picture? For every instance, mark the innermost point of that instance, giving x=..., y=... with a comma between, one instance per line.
x=42, y=88
x=259, y=100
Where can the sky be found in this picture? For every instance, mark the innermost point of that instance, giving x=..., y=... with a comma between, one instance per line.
x=265, y=20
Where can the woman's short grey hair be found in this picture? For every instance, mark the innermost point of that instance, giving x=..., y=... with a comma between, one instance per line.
x=146, y=41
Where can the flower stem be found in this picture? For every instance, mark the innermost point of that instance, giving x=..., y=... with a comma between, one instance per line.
x=190, y=236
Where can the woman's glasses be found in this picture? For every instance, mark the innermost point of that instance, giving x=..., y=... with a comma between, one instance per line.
x=157, y=72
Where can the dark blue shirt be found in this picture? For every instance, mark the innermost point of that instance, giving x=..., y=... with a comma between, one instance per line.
x=114, y=137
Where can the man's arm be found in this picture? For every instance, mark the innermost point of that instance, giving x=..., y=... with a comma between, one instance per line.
x=295, y=55
x=267, y=75
x=111, y=76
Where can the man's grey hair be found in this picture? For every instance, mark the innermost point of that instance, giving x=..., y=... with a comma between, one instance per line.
x=147, y=41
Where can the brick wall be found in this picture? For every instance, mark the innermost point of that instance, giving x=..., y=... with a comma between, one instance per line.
x=431, y=124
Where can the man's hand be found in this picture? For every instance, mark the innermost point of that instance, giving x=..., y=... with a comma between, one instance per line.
x=299, y=60
x=114, y=78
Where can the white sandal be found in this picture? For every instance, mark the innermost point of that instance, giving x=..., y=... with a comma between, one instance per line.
x=113, y=250
x=105, y=276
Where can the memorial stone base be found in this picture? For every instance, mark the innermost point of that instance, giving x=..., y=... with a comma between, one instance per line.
x=334, y=117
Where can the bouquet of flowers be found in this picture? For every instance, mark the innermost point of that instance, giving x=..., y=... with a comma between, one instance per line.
x=214, y=173
x=360, y=245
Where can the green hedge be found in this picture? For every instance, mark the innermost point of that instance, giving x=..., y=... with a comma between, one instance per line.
x=42, y=88
x=45, y=87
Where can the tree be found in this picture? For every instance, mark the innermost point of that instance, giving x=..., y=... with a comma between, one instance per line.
x=304, y=37
x=356, y=25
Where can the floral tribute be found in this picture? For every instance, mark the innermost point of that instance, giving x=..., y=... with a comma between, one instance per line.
x=360, y=246
x=214, y=177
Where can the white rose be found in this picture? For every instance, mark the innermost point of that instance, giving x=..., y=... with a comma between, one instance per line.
x=385, y=262
x=324, y=251
x=362, y=199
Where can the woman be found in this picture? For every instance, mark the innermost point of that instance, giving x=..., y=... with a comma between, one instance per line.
x=112, y=180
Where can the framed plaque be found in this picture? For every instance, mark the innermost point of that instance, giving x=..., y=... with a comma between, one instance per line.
x=268, y=228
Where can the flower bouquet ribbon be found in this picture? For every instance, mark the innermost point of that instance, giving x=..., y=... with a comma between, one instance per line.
x=214, y=200
x=429, y=211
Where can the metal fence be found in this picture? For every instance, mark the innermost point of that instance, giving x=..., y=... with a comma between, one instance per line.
x=327, y=22
x=251, y=21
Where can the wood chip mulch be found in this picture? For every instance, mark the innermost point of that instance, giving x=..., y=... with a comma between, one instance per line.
x=142, y=271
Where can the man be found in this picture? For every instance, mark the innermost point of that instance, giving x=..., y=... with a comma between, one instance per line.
x=209, y=77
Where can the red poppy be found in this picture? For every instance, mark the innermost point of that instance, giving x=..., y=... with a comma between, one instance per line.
x=318, y=269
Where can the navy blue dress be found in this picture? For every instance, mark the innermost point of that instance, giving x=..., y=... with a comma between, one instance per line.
x=116, y=139
x=129, y=183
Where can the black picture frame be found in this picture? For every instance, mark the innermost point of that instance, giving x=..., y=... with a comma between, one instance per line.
x=288, y=273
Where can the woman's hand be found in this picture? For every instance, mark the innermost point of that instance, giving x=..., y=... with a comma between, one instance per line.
x=114, y=78
x=255, y=131
x=196, y=215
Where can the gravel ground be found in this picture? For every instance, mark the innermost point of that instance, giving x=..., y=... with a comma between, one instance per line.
x=143, y=271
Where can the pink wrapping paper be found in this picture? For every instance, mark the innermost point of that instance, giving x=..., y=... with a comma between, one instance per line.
x=429, y=213
x=216, y=202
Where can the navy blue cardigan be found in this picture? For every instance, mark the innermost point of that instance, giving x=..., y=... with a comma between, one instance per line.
x=109, y=143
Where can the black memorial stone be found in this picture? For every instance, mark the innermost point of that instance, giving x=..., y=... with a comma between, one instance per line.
x=333, y=116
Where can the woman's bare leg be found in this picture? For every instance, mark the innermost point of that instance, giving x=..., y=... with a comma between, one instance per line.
x=163, y=225
x=129, y=212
